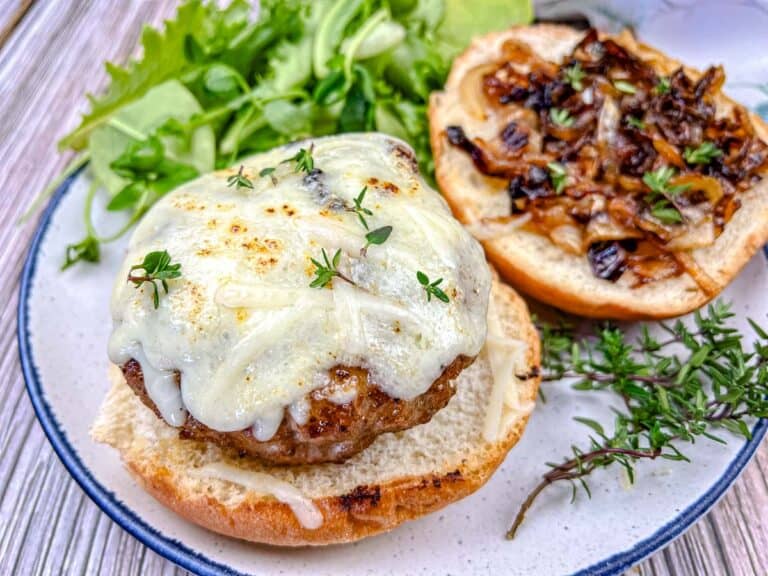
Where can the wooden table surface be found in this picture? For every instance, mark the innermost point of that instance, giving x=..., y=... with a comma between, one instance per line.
x=50, y=52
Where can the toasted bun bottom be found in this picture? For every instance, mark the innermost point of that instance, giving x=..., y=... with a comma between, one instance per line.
x=531, y=262
x=399, y=477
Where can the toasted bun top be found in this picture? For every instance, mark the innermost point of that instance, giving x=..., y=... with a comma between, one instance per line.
x=532, y=261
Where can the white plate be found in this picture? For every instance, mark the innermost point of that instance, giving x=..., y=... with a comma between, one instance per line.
x=63, y=327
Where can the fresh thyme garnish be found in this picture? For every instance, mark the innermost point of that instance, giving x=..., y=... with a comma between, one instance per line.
x=432, y=288
x=635, y=122
x=561, y=117
x=376, y=237
x=269, y=171
x=664, y=86
x=239, y=180
x=574, y=76
x=303, y=159
x=558, y=176
x=703, y=154
x=359, y=210
x=668, y=399
x=666, y=212
x=660, y=198
x=624, y=86
x=328, y=269
x=157, y=268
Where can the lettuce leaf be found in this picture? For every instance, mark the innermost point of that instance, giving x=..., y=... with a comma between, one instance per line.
x=464, y=20
x=164, y=56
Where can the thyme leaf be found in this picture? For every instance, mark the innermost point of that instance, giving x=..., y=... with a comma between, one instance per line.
x=558, y=175
x=327, y=270
x=431, y=288
x=702, y=154
x=663, y=86
x=376, y=237
x=358, y=208
x=574, y=76
x=660, y=199
x=157, y=268
x=561, y=117
x=239, y=180
x=303, y=159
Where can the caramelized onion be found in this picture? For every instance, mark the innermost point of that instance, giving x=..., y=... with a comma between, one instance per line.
x=608, y=122
x=698, y=235
x=471, y=91
x=704, y=280
x=706, y=184
x=645, y=221
x=669, y=152
x=653, y=269
x=631, y=184
x=602, y=227
x=568, y=237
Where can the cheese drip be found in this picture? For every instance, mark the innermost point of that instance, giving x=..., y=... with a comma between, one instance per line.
x=308, y=515
x=507, y=357
x=248, y=335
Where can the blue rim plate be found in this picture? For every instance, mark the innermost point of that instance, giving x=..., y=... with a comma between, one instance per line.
x=201, y=564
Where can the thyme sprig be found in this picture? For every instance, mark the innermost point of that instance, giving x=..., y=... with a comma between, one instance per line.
x=661, y=199
x=703, y=154
x=574, y=75
x=558, y=175
x=561, y=117
x=327, y=270
x=157, y=267
x=304, y=162
x=663, y=86
x=669, y=399
x=432, y=288
x=239, y=180
x=359, y=209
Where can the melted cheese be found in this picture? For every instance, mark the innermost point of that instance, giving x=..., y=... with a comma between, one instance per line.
x=507, y=357
x=308, y=515
x=249, y=336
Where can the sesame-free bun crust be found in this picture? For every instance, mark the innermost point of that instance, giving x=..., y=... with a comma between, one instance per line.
x=399, y=477
x=531, y=262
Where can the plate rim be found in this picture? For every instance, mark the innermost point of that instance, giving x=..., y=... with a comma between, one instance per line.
x=198, y=563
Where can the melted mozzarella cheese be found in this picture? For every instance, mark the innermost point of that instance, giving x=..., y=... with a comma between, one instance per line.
x=242, y=326
x=507, y=357
x=308, y=515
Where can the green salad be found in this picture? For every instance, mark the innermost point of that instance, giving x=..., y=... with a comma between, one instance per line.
x=217, y=84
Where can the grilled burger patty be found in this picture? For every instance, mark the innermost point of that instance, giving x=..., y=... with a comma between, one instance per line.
x=333, y=432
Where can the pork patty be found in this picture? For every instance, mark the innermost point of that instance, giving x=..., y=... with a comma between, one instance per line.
x=333, y=432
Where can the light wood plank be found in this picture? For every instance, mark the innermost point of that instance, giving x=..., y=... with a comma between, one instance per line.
x=12, y=12
x=47, y=524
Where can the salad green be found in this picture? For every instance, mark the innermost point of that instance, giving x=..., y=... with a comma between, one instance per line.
x=217, y=84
